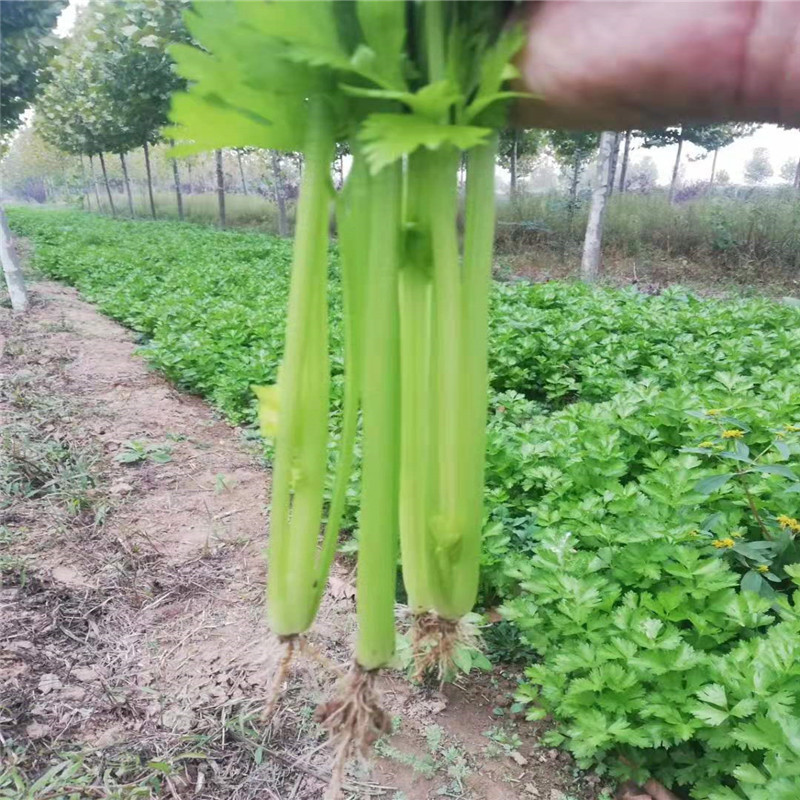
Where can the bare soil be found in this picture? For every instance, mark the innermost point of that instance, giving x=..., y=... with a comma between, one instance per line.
x=135, y=659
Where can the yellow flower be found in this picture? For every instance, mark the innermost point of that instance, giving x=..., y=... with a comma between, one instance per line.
x=722, y=543
x=714, y=412
x=788, y=522
x=706, y=444
x=762, y=568
x=733, y=433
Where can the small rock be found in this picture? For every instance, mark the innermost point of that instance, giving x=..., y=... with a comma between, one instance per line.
x=36, y=730
x=531, y=790
x=519, y=758
x=73, y=693
x=48, y=683
x=557, y=794
x=85, y=674
x=121, y=487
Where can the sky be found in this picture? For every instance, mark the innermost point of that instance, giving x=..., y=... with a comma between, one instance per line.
x=781, y=144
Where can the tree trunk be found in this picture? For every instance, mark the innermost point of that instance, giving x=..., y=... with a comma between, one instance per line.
x=280, y=201
x=241, y=170
x=593, y=241
x=513, y=167
x=189, y=170
x=127, y=182
x=108, y=188
x=176, y=176
x=149, y=179
x=84, y=185
x=220, y=188
x=675, y=170
x=797, y=175
x=614, y=158
x=573, y=194
x=94, y=182
x=623, y=172
x=714, y=167
x=11, y=269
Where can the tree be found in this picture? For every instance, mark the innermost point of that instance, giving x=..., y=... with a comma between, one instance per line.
x=642, y=176
x=593, y=241
x=790, y=171
x=220, y=187
x=623, y=173
x=24, y=26
x=723, y=177
x=113, y=80
x=758, y=168
x=709, y=137
x=572, y=149
x=516, y=152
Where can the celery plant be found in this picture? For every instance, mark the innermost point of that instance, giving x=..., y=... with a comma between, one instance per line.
x=411, y=86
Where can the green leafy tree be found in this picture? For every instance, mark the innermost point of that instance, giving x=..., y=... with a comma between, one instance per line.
x=516, y=152
x=25, y=28
x=572, y=150
x=112, y=81
x=710, y=138
x=758, y=167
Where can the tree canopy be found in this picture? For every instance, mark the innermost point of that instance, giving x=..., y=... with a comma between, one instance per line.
x=112, y=80
x=25, y=27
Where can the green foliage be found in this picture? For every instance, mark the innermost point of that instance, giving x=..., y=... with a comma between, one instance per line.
x=751, y=238
x=25, y=26
x=609, y=481
x=112, y=80
x=758, y=167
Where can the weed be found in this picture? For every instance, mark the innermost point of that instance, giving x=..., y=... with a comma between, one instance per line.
x=137, y=451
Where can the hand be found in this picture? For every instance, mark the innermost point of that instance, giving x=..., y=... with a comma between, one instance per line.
x=600, y=64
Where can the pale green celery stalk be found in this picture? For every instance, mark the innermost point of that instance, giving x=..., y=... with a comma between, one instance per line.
x=303, y=391
x=352, y=216
x=415, y=376
x=378, y=534
x=476, y=289
x=446, y=522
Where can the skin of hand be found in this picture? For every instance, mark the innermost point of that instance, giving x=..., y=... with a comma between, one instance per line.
x=620, y=64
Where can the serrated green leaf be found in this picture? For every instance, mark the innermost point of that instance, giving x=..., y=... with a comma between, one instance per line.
x=747, y=773
x=388, y=137
x=710, y=714
x=744, y=708
x=714, y=693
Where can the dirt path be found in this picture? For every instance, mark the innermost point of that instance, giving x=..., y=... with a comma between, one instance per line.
x=134, y=657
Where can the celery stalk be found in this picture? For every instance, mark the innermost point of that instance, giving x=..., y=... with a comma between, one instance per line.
x=477, y=272
x=415, y=367
x=352, y=216
x=303, y=390
x=446, y=515
x=377, y=554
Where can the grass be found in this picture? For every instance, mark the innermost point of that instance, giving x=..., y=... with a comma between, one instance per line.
x=241, y=211
x=750, y=239
x=745, y=241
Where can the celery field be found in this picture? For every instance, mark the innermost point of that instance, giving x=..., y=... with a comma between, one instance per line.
x=642, y=485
